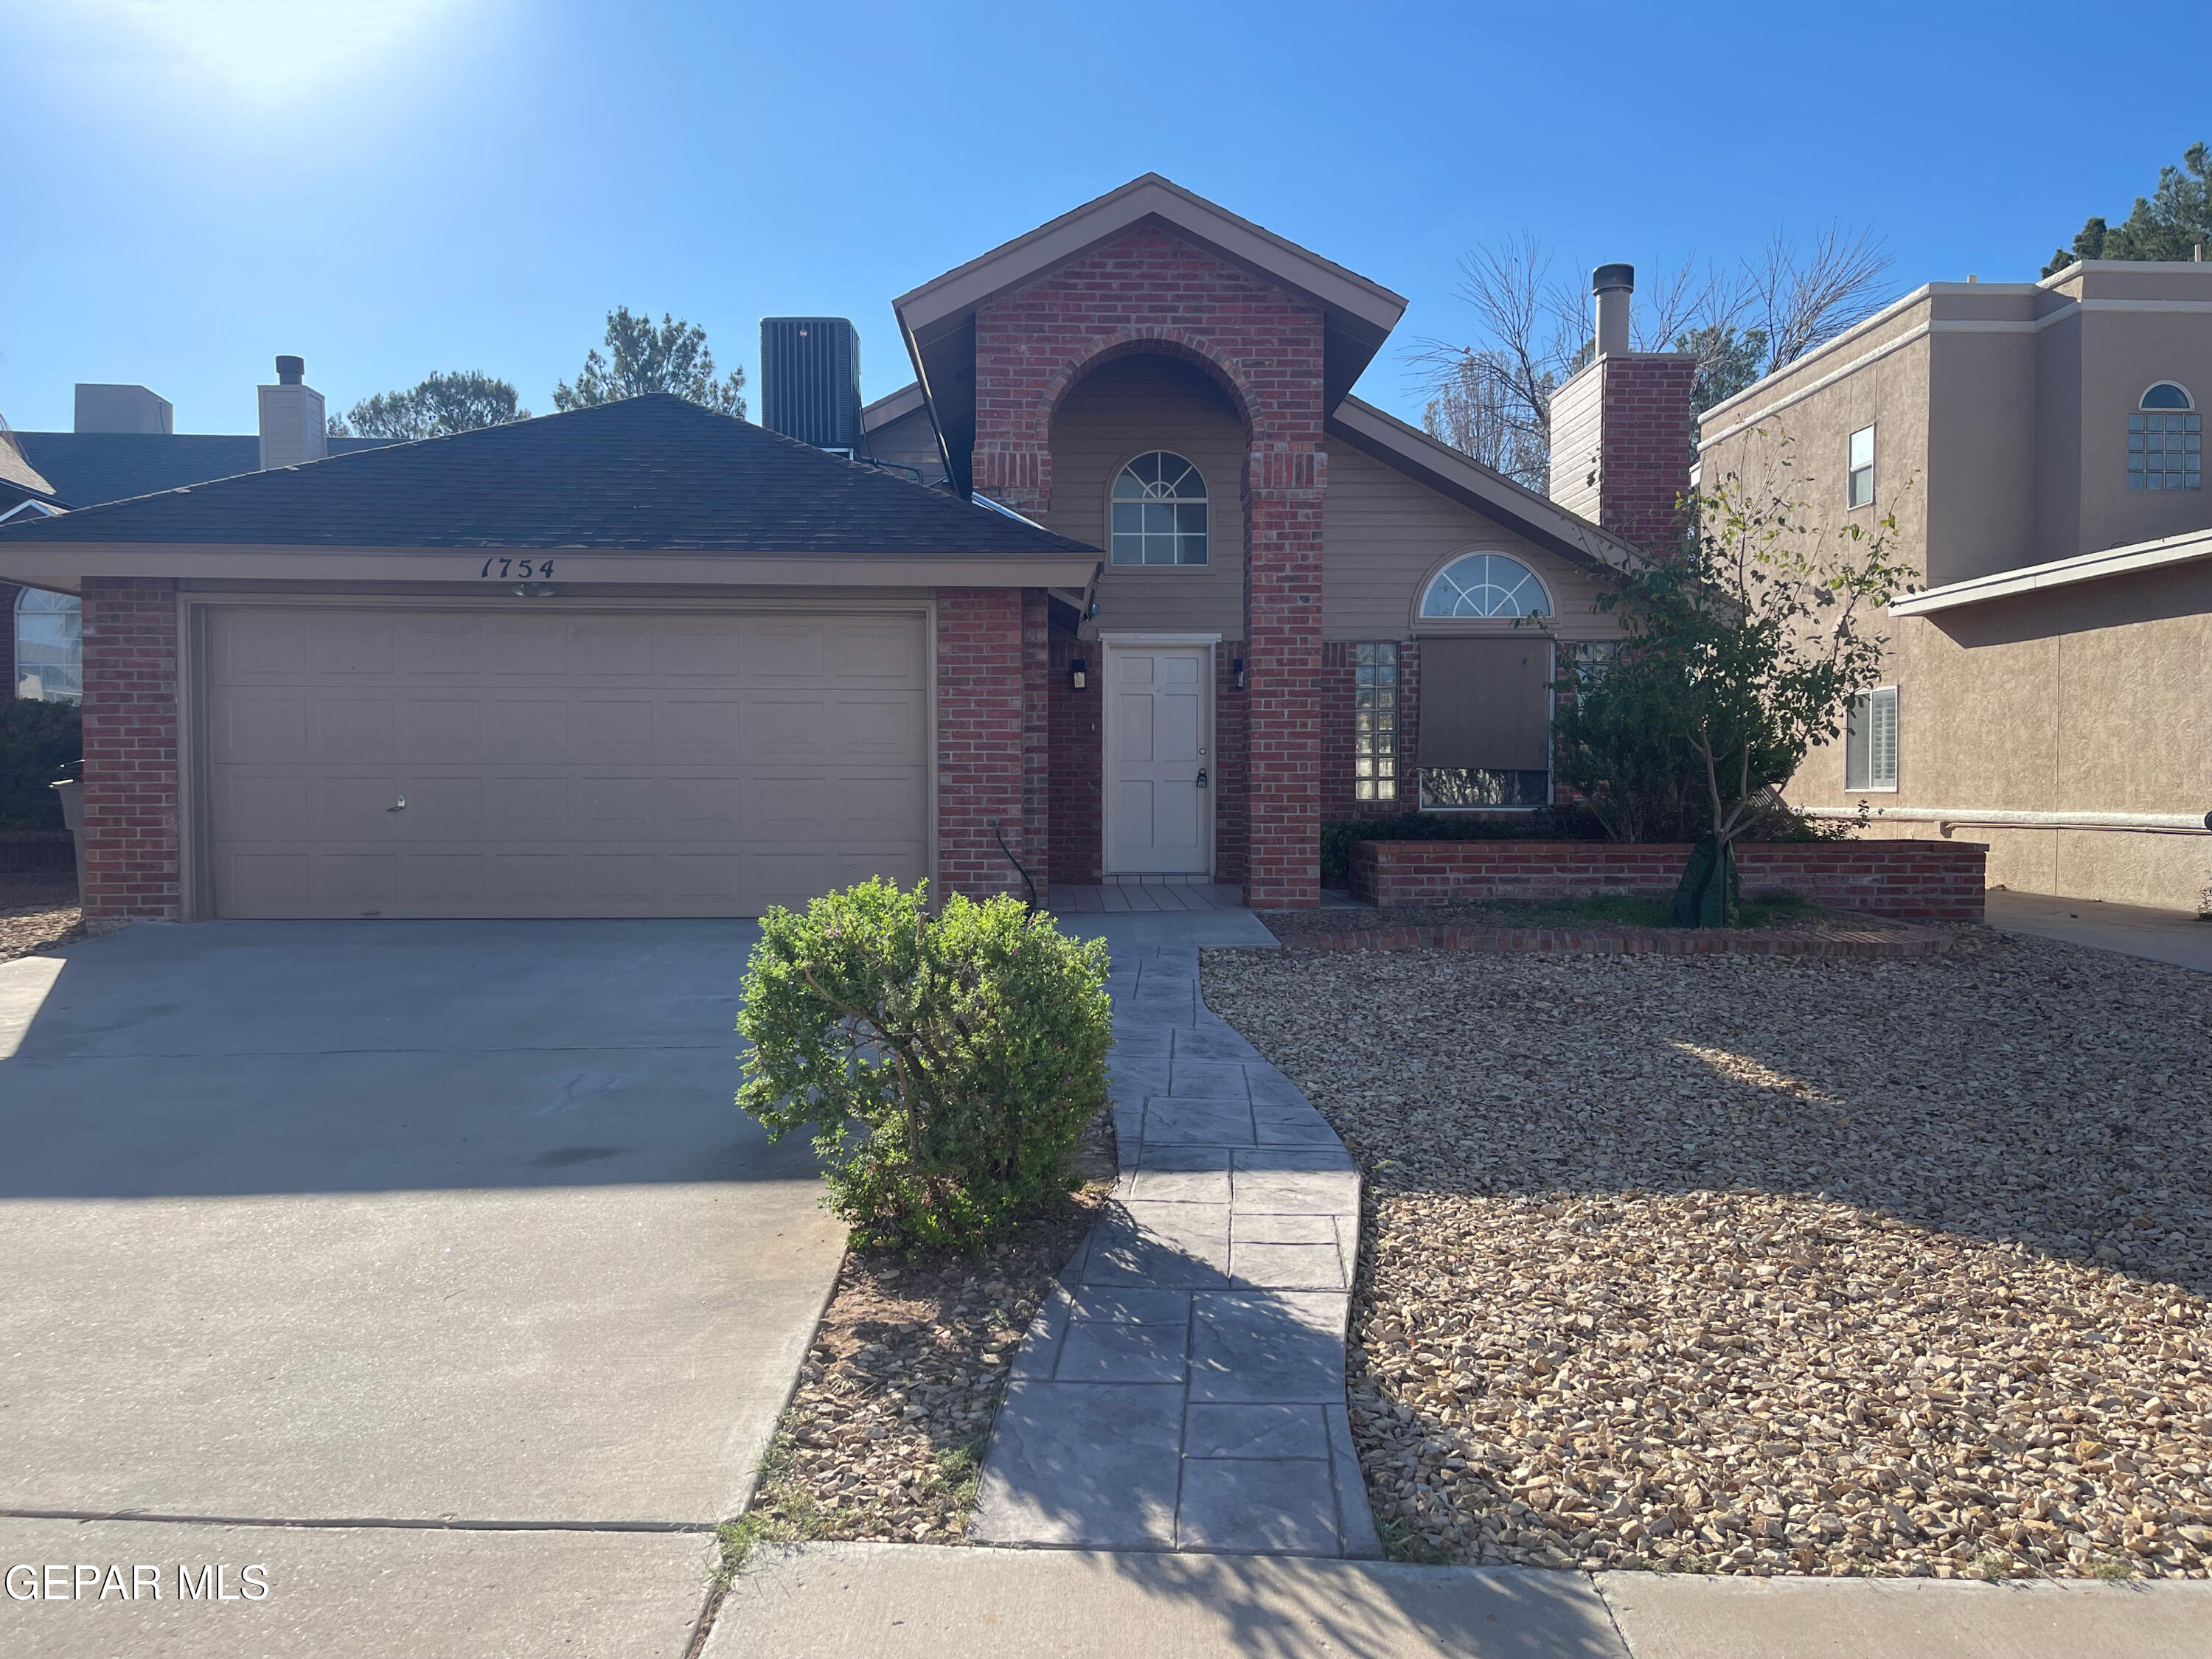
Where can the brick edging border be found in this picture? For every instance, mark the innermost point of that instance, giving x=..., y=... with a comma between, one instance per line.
x=1902, y=941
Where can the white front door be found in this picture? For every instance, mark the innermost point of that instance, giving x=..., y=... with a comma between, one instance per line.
x=1159, y=791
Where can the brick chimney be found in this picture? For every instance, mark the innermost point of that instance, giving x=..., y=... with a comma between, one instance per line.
x=1623, y=432
x=292, y=426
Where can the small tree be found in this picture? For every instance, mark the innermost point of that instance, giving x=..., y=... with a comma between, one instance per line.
x=671, y=357
x=948, y=1066
x=437, y=406
x=1744, y=651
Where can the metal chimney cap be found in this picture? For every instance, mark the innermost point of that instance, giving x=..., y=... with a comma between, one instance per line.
x=291, y=371
x=1606, y=278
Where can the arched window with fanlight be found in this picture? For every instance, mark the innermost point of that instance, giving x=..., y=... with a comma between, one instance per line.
x=2166, y=441
x=1482, y=587
x=49, y=647
x=1159, y=511
x=1484, y=743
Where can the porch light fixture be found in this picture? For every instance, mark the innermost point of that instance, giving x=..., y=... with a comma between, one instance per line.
x=1236, y=667
x=1078, y=674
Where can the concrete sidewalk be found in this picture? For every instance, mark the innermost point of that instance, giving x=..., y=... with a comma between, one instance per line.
x=2132, y=929
x=892, y=1602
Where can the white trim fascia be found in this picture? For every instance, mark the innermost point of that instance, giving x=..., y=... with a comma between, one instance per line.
x=2058, y=573
x=891, y=406
x=1116, y=636
x=1887, y=313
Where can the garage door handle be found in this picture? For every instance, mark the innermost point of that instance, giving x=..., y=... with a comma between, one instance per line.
x=400, y=807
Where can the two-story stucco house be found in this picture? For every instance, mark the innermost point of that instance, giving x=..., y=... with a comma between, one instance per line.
x=2040, y=446
x=1166, y=597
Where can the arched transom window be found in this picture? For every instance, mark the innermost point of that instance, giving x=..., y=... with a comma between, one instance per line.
x=1159, y=511
x=2166, y=441
x=1483, y=584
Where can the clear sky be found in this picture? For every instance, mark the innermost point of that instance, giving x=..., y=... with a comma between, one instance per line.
x=388, y=187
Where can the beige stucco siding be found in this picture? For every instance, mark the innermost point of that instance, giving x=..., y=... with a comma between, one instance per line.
x=1384, y=535
x=1123, y=410
x=2093, y=698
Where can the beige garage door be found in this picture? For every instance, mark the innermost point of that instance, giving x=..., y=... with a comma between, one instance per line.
x=364, y=762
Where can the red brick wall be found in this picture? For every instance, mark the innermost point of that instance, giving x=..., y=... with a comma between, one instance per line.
x=1148, y=291
x=984, y=770
x=131, y=870
x=1646, y=445
x=1077, y=776
x=1226, y=779
x=1927, y=880
x=1037, y=740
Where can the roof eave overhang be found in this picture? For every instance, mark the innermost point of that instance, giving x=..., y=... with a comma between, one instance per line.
x=62, y=567
x=2137, y=558
x=1439, y=467
x=938, y=319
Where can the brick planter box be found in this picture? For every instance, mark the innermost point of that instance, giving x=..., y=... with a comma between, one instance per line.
x=1919, y=880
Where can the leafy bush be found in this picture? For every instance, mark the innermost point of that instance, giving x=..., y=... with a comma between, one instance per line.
x=37, y=740
x=1566, y=822
x=948, y=1066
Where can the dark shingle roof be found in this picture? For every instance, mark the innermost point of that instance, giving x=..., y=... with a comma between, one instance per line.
x=87, y=468
x=648, y=473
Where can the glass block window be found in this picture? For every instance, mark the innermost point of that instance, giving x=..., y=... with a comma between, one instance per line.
x=2165, y=442
x=1485, y=584
x=1374, y=722
x=1859, y=470
x=1159, y=511
x=49, y=647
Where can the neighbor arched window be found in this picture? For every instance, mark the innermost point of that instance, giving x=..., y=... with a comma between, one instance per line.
x=49, y=647
x=1159, y=511
x=1484, y=585
x=2166, y=441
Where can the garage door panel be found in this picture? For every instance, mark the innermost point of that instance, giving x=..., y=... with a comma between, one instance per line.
x=559, y=764
x=782, y=652
x=615, y=730
x=521, y=729
x=261, y=726
x=354, y=728
x=878, y=653
x=779, y=725
x=699, y=731
x=435, y=730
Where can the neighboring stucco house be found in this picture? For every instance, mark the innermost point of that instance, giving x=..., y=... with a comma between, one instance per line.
x=2040, y=446
x=1243, y=602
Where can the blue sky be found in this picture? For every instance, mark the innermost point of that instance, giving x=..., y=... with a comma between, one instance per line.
x=393, y=187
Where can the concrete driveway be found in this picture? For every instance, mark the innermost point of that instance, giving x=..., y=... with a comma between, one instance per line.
x=389, y=1228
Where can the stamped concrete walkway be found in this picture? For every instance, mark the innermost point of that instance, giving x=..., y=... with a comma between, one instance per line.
x=1182, y=1388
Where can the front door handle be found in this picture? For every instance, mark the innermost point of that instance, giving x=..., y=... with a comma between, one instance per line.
x=1202, y=777
x=400, y=806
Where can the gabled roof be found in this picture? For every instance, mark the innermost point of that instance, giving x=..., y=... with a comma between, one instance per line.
x=938, y=319
x=1451, y=473
x=15, y=469
x=651, y=473
x=89, y=468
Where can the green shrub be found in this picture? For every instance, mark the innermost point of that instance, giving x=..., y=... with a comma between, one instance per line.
x=948, y=1066
x=1562, y=822
x=37, y=740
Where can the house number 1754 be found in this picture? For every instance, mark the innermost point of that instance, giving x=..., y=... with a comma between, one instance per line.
x=509, y=569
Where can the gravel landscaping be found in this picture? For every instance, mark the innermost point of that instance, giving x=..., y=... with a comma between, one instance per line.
x=1766, y=1266
x=885, y=1433
x=36, y=910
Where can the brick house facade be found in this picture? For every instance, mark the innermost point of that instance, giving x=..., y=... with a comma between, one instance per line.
x=1146, y=361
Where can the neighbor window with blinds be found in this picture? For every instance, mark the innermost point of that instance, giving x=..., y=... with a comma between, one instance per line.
x=1870, y=741
x=1374, y=722
x=2166, y=441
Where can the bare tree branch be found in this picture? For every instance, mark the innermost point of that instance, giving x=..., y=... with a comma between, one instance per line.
x=1804, y=295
